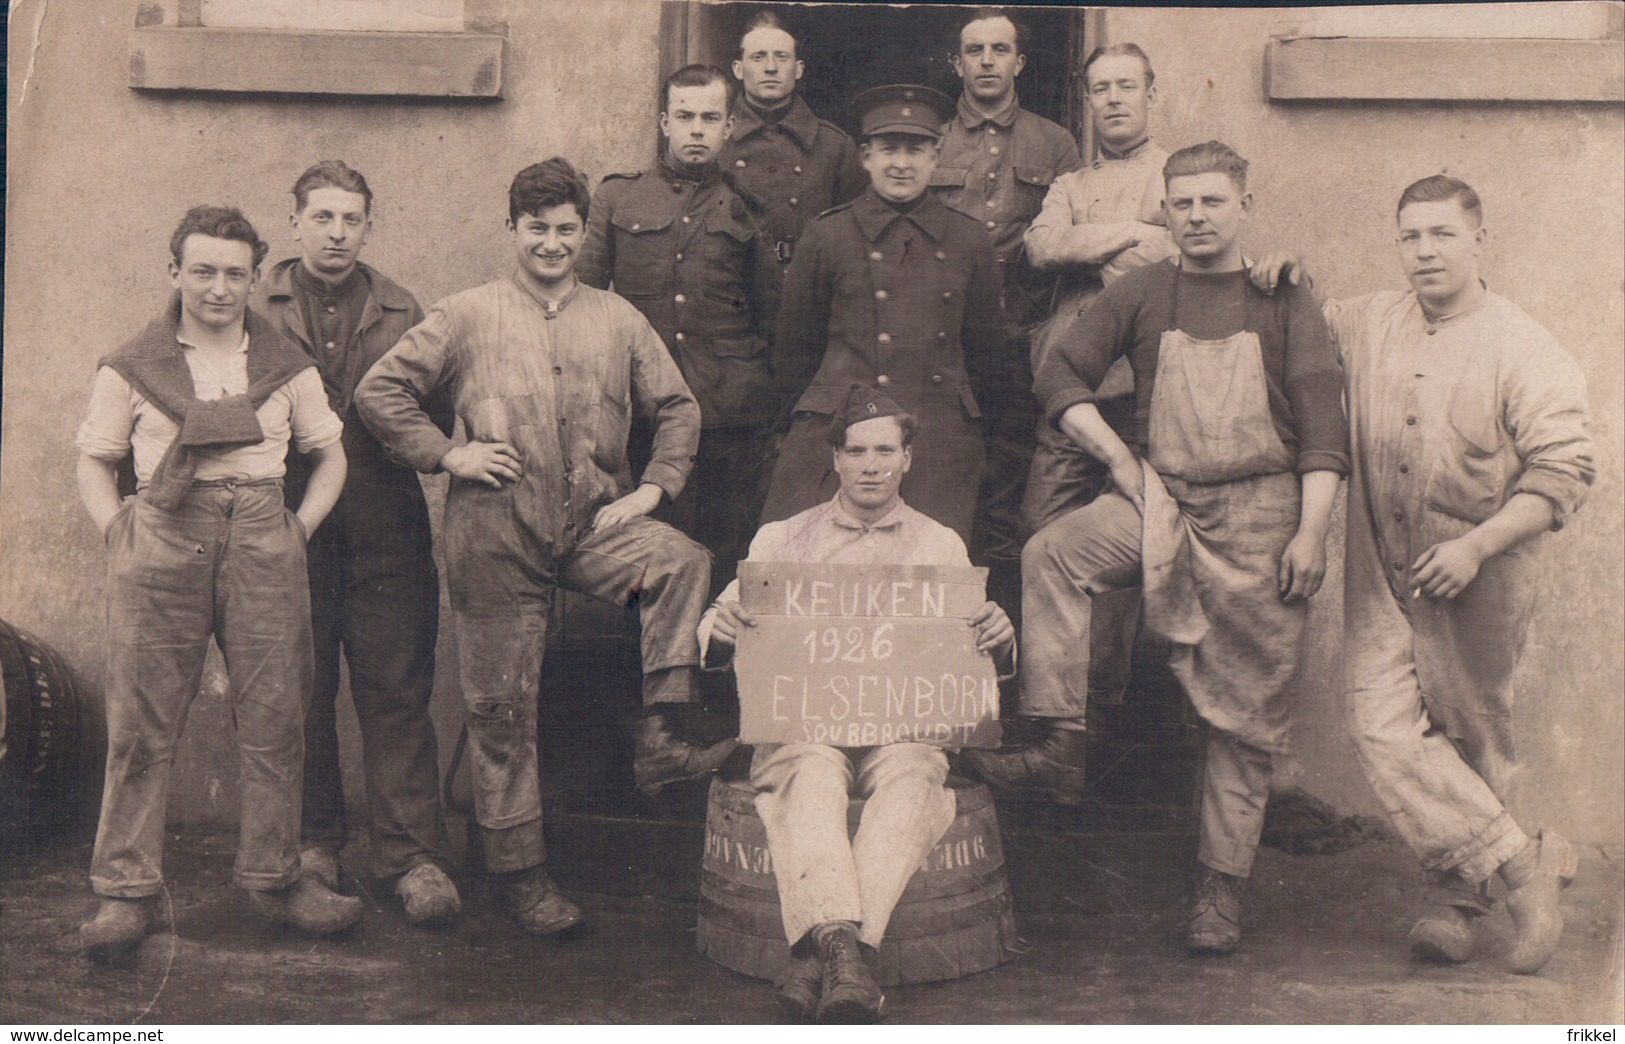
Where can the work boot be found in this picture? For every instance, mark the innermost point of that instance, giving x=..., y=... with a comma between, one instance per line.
x=307, y=905
x=850, y=995
x=1051, y=768
x=536, y=902
x=661, y=757
x=1535, y=908
x=119, y=923
x=320, y=864
x=798, y=987
x=428, y=895
x=1215, y=925
x=1444, y=935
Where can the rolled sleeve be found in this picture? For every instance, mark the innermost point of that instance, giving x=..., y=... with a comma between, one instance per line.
x=1070, y=374
x=1314, y=386
x=389, y=398
x=109, y=419
x=1549, y=421
x=313, y=423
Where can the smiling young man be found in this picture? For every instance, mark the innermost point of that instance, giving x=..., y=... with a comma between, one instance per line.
x=681, y=244
x=1470, y=440
x=792, y=164
x=374, y=591
x=998, y=161
x=837, y=893
x=895, y=289
x=1222, y=499
x=546, y=374
x=205, y=402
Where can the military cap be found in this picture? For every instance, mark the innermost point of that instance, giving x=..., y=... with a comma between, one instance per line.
x=903, y=108
x=866, y=402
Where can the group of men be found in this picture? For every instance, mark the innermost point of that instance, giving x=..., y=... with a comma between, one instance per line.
x=1069, y=369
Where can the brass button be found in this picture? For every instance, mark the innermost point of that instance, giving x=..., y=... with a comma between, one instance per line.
x=994, y=150
x=992, y=224
x=687, y=220
x=947, y=295
x=881, y=295
x=680, y=299
x=990, y=204
x=942, y=255
x=993, y=175
x=936, y=378
x=942, y=335
x=794, y=202
x=798, y=170
x=882, y=380
x=679, y=255
x=874, y=255
x=679, y=336
x=739, y=163
x=884, y=338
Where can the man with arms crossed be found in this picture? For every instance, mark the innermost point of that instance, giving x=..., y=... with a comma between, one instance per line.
x=206, y=400
x=1220, y=507
x=545, y=373
x=1097, y=223
x=836, y=893
x=1470, y=440
x=374, y=591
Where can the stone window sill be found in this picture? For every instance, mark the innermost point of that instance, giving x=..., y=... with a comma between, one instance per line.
x=273, y=61
x=1456, y=70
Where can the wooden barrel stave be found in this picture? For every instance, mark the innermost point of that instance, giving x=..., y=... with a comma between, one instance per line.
x=954, y=918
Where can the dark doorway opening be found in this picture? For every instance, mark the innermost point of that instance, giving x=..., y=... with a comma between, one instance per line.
x=851, y=47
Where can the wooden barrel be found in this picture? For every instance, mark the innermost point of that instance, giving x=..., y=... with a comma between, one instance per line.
x=50, y=750
x=954, y=918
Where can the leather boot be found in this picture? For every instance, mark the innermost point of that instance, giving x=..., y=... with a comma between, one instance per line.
x=1444, y=935
x=1536, y=911
x=536, y=902
x=1215, y=925
x=661, y=757
x=799, y=986
x=1051, y=768
x=850, y=994
x=307, y=905
x=119, y=923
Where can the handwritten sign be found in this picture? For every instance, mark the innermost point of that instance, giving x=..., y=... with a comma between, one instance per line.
x=864, y=655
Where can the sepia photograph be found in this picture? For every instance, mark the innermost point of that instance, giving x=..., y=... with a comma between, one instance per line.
x=692, y=512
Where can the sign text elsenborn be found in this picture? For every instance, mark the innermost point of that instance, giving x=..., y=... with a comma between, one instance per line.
x=863, y=655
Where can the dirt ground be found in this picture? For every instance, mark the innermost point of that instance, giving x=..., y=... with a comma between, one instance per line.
x=1101, y=915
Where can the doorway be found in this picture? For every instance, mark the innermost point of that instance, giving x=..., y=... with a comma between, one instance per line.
x=851, y=47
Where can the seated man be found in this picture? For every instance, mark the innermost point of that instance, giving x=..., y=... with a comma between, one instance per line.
x=204, y=402
x=837, y=894
x=1222, y=505
x=544, y=373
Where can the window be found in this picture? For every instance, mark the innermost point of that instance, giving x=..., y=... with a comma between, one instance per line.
x=395, y=48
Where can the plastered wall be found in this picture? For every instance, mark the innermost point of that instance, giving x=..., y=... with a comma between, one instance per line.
x=98, y=175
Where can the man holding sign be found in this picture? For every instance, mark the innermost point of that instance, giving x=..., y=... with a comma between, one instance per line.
x=837, y=893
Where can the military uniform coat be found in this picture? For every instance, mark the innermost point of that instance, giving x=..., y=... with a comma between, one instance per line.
x=905, y=301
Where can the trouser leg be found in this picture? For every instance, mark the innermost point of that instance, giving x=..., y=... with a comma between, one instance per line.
x=159, y=615
x=803, y=790
x=499, y=657
x=906, y=811
x=391, y=623
x=262, y=608
x=1088, y=551
x=668, y=576
x=323, y=820
x=1235, y=791
x=1441, y=807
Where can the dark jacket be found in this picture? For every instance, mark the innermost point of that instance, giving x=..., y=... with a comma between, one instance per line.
x=390, y=311
x=794, y=170
x=685, y=253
